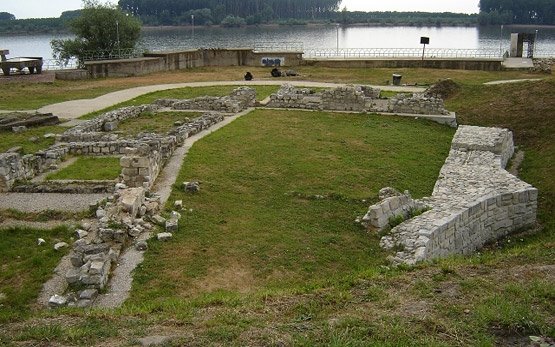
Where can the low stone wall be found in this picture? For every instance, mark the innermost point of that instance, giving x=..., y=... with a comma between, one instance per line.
x=64, y=186
x=239, y=100
x=416, y=104
x=93, y=129
x=475, y=201
x=142, y=164
x=349, y=98
x=393, y=205
x=361, y=99
x=17, y=167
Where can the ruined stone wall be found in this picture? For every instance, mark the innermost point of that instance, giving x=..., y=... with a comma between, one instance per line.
x=94, y=129
x=417, y=104
x=239, y=100
x=475, y=201
x=17, y=167
x=392, y=205
x=142, y=163
x=348, y=98
x=289, y=96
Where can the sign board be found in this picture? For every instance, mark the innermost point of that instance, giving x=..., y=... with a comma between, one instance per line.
x=272, y=61
x=424, y=40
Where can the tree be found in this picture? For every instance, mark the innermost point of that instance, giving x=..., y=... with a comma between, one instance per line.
x=6, y=16
x=99, y=28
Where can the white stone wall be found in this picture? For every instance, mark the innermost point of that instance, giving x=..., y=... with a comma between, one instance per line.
x=475, y=201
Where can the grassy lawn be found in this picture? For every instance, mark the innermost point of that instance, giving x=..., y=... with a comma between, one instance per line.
x=17, y=96
x=89, y=168
x=31, y=140
x=24, y=266
x=261, y=261
x=256, y=224
x=184, y=93
x=159, y=122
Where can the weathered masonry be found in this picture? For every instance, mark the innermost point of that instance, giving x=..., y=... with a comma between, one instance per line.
x=475, y=201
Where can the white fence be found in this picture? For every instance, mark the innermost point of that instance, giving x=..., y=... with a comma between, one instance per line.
x=428, y=53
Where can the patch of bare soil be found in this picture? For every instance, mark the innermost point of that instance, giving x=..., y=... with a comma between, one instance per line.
x=444, y=89
x=231, y=275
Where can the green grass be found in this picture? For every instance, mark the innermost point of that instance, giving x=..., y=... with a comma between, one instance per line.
x=253, y=216
x=184, y=93
x=24, y=266
x=25, y=139
x=89, y=168
x=159, y=122
x=215, y=283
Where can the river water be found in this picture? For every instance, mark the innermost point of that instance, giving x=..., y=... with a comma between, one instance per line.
x=305, y=37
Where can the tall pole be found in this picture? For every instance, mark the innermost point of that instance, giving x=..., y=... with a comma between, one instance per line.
x=337, y=39
x=117, y=36
x=193, y=24
x=535, y=42
x=501, y=41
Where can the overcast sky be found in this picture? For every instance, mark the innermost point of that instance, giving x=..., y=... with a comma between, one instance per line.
x=53, y=8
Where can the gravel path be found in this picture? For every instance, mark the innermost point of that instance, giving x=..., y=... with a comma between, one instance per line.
x=513, y=81
x=77, y=108
x=37, y=202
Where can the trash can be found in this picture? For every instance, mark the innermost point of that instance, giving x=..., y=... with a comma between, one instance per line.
x=397, y=79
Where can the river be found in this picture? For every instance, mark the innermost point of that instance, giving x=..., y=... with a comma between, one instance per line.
x=307, y=37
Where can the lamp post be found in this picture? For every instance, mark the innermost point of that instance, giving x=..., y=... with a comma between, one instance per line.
x=117, y=36
x=501, y=41
x=193, y=25
x=337, y=39
x=535, y=41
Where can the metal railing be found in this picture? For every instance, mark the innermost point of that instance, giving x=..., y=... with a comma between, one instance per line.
x=124, y=53
x=278, y=47
x=429, y=53
x=53, y=64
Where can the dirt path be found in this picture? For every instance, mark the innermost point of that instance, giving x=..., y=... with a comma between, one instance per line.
x=77, y=108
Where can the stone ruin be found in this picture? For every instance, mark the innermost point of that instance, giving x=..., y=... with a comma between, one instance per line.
x=96, y=137
x=363, y=99
x=20, y=121
x=126, y=218
x=240, y=99
x=475, y=201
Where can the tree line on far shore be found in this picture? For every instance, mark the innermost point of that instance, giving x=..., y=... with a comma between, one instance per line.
x=231, y=13
x=540, y=12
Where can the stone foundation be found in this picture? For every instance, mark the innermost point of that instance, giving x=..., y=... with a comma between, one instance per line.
x=475, y=201
x=239, y=100
x=362, y=99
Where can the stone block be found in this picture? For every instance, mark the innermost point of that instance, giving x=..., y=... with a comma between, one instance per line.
x=72, y=276
x=164, y=236
x=88, y=294
x=96, y=268
x=57, y=301
x=140, y=162
x=172, y=226
x=79, y=233
x=76, y=259
x=60, y=245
